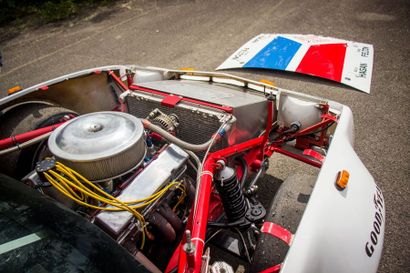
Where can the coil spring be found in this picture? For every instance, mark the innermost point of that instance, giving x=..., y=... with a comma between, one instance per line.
x=232, y=197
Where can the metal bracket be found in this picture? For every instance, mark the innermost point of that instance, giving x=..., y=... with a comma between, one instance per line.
x=277, y=231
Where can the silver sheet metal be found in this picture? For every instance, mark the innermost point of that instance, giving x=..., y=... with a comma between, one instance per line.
x=249, y=109
x=167, y=167
x=214, y=93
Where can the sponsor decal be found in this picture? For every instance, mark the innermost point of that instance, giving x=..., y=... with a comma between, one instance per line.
x=362, y=71
x=241, y=53
x=343, y=61
x=374, y=236
x=365, y=51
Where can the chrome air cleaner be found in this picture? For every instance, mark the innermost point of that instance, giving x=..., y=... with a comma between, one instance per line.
x=100, y=145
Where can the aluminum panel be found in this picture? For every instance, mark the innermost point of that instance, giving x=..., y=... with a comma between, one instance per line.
x=161, y=171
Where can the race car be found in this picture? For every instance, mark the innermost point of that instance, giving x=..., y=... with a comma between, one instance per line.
x=127, y=168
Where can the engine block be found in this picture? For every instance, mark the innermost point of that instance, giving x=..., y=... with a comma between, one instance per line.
x=168, y=166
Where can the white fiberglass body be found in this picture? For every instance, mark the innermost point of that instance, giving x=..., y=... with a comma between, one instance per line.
x=340, y=231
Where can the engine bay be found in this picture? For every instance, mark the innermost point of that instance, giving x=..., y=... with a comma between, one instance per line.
x=174, y=166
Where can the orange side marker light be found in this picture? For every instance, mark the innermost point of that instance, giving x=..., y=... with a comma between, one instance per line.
x=267, y=82
x=14, y=89
x=187, y=69
x=342, y=179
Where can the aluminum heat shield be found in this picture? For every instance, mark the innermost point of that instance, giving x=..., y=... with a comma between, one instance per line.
x=201, y=122
x=168, y=166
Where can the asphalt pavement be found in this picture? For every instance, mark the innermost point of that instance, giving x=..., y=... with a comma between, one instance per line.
x=202, y=34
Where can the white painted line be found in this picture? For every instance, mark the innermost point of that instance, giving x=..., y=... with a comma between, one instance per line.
x=297, y=58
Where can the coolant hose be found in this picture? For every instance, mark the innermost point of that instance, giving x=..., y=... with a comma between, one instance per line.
x=244, y=170
x=171, y=138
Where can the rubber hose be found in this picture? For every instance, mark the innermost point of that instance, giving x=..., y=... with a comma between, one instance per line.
x=239, y=223
x=173, y=139
x=244, y=171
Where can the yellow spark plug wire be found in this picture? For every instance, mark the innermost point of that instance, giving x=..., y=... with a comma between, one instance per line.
x=60, y=179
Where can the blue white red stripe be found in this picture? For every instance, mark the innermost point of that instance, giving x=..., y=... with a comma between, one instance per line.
x=342, y=61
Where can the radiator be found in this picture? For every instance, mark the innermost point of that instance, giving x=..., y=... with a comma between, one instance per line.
x=197, y=123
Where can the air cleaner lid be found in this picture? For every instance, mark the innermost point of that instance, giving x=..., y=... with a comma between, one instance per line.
x=95, y=136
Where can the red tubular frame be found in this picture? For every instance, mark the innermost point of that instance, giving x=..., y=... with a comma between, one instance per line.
x=299, y=157
x=123, y=107
x=269, y=120
x=277, y=231
x=199, y=220
x=117, y=80
x=273, y=269
x=20, y=138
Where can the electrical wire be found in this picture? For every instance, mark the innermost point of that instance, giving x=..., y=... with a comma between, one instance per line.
x=264, y=130
x=120, y=206
x=213, y=235
x=195, y=158
x=80, y=189
x=199, y=173
x=321, y=129
x=146, y=200
x=192, y=165
x=244, y=170
x=244, y=245
x=180, y=200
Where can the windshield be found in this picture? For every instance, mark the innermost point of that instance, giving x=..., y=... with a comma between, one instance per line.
x=36, y=235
